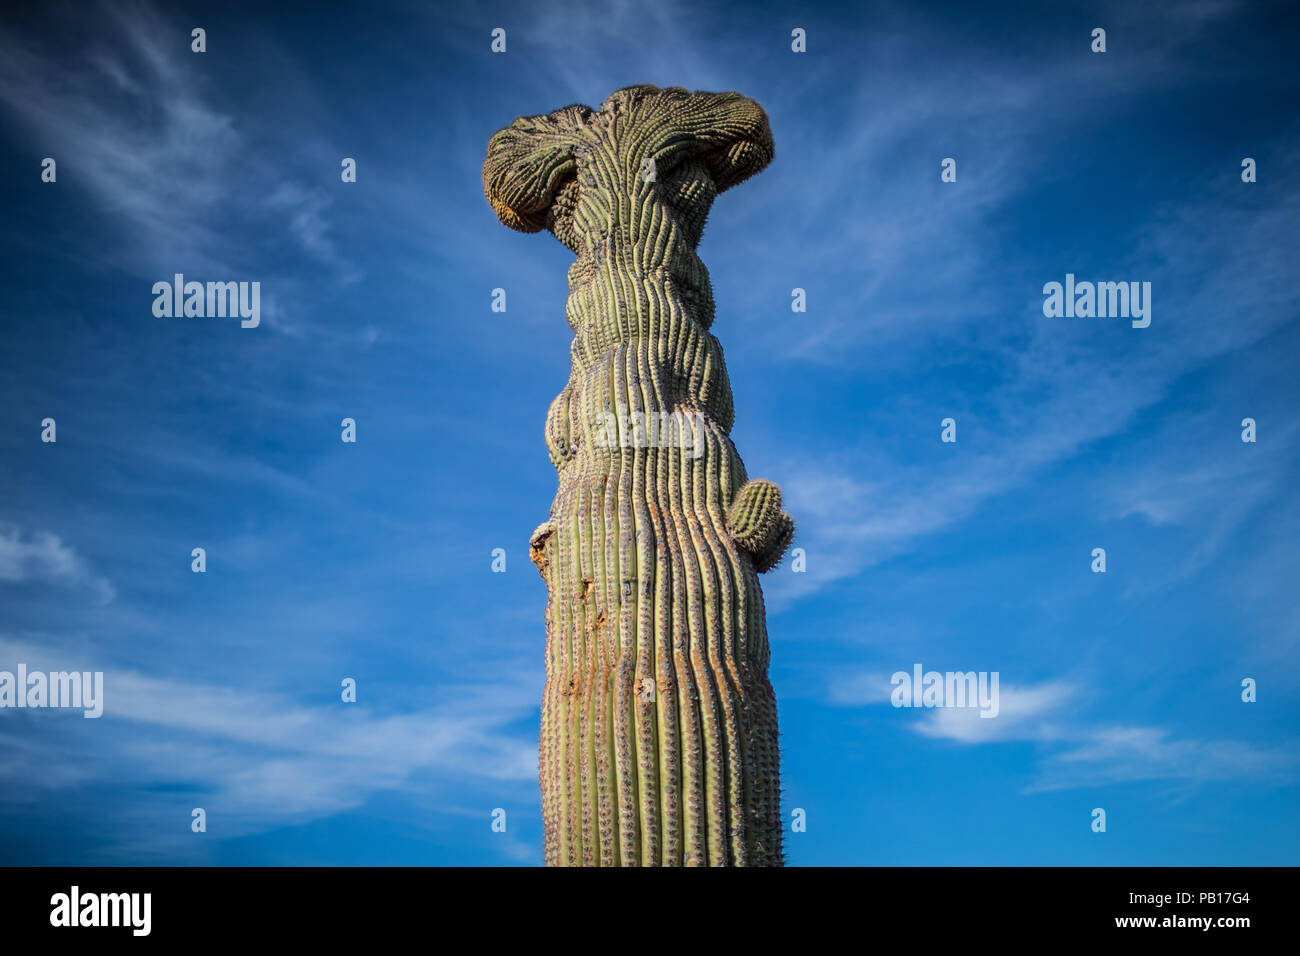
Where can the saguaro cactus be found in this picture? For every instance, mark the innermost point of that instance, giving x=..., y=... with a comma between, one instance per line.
x=659, y=735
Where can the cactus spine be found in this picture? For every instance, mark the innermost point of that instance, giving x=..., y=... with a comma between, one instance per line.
x=659, y=735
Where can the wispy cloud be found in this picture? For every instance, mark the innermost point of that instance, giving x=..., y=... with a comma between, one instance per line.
x=1074, y=751
x=1123, y=754
x=1179, y=485
x=258, y=759
x=1031, y=712
x=43, y=558
x=178, y=173
x=1060, y=393
x=606, y=45
x=133, y=131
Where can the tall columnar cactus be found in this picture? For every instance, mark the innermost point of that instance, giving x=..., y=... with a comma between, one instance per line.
x=659, y=733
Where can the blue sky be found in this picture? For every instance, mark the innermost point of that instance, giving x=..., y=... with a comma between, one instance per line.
x=372, y=560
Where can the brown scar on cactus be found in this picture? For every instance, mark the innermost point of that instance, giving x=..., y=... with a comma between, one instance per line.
x=537, y=546
x=671, y=537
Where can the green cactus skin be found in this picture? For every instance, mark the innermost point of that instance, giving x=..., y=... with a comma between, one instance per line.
x=659, y=734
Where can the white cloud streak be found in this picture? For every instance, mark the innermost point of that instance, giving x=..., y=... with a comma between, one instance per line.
x=259, y=760
x=43, y=558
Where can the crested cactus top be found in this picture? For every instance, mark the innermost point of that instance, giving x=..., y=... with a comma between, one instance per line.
x=533, y=162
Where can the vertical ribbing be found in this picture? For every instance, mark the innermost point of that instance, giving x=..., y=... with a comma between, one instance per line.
x=658, y=743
